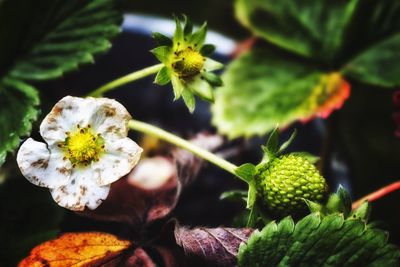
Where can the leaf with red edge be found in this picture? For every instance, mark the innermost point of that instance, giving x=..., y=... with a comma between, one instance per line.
x=78, y=249
x=328, y=95
x=217, y=246
x=263, y=88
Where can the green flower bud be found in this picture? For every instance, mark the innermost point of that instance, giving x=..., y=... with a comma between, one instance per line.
x=285, y=181
x=187, y=64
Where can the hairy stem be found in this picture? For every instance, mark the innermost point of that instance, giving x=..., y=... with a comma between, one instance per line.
x=126, y=79
x=176, y=140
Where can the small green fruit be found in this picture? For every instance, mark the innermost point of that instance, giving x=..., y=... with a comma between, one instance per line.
x=285, y=181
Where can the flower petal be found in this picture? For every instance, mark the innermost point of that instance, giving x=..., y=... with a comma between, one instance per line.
x=110, y=118
x=107, y=116
x=42, y=167
x=211, y=65
x=119, y=159
x=81, y=192
x=65, y=116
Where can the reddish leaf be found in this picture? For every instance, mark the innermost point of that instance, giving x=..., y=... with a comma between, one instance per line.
x=217, y=246
x=78, y=249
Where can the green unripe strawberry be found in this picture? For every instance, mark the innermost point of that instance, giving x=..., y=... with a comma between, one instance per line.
x=285, y=181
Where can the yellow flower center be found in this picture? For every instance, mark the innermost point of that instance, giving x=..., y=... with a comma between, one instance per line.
x=82, y=146
x=188, y=63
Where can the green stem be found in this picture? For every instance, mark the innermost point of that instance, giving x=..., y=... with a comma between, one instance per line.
x=253, y=216
x=176, y=140
x=126, y=79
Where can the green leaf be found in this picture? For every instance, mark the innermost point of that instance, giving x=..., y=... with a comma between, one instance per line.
x=339, y=202
x=189, y=100
x=211, y=65
x=271, y=147
x=177, y=86
x=43, y=40
x=207, y=50
x=162, y=53
x=313, y=206
x=161, y=39
x=199, y=37
x=212, y=78
x=246, y=171
x=18, y=102
x=163, y=76
x=362, y=212
x=316, y=241
x=188, y=25
x=310, y=28
x=373, y=22
x=55, y=37
x=334, y=205
x=368, y=68
x=287, y=143
x=202, y=88
x=346, y=200
x=234, y=195
x=178, y=35
x=262, y=89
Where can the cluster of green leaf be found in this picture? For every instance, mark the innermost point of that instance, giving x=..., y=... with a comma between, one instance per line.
x=331, y=235
x=42, y=40
x=285, y=78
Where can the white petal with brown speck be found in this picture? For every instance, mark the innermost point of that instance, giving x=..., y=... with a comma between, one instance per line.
x=81, y=192
x=41, y=167
x=110, y=119
x=119, y=157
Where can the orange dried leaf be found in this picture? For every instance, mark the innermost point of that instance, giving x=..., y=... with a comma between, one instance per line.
x=77, y=249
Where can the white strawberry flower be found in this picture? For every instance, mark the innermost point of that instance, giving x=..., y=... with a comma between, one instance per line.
x=86, y=150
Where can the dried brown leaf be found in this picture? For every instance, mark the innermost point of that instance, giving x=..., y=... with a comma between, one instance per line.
x=218, y=246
